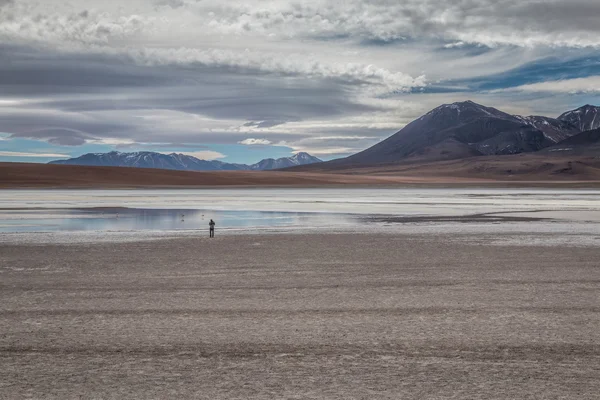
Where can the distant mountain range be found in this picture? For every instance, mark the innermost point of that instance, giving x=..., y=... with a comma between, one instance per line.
x=449, y=132
x=182, y=162
x=467, y=129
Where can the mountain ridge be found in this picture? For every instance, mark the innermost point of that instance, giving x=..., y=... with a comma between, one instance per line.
x=582, y=144
x=181, y=162
x=467, y=129
x=585, y=118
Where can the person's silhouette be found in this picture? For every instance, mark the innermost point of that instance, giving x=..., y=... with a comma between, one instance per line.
x=212, y=224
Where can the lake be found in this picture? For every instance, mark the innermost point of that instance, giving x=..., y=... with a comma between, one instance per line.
x=245, y=210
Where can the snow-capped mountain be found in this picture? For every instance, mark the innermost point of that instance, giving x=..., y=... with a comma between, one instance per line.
x=286, y=162
x=148, y=159
x=555, y=130
x=181, y=162
x=585, y=118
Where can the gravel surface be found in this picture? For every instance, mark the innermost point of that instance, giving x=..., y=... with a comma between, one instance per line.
x=344, y=316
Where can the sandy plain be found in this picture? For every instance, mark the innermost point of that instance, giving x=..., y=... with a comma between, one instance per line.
x=507, y=171
x=325, y=316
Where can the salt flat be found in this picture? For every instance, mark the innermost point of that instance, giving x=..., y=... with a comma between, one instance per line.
x=338, y=316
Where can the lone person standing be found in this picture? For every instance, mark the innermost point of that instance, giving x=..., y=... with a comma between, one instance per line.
x=212, y=224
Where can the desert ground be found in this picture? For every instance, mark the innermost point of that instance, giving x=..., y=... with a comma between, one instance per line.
x=325, y=316
x=19, y=175
x=521, y=170
x=524, y=167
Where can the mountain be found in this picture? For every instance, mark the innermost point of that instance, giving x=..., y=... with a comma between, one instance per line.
x=180, y=162
x=286, y=162
x=555, y=130
x=448, y=132
x=584, y=143
x=467, y=129
x=585, y=118
x=455, y=130
x=523, y=140
x=148, y=159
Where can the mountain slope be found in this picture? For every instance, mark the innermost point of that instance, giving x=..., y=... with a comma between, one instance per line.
x=523, y=140
x=554, y=130
x=585, y=118
x=180, y=162
x=285, y=162
x=452, y=131
x=148, y=159
x=585, y=143
x=467, y=129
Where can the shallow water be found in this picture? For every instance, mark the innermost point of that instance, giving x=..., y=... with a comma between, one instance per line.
x=248, y=209
x=408, y=201
x=134, y=219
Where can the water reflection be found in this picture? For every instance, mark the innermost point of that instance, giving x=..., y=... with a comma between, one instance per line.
x=247, y=209
x=128, y=219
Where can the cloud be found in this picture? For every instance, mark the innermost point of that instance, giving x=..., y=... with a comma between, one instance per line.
x=489, y=22
x=204, y=154
x=9, y=102
x=170, y=3
x=325, y=151
x=56, y=135
x=253, y=142
x=264, y=124
x=33, y=155
x=590, y=84
x=325, y=76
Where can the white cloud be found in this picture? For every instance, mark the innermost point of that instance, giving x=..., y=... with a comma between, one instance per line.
x=253, y=142
x=324, y=151
x=33, y=155
x=204, y=154
x=489, y=22
x=111, y=141
x=590, y=84
x=453, y=45
x=10, y=102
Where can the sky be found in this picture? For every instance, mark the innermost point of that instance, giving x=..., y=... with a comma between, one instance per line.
x=252, y=79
